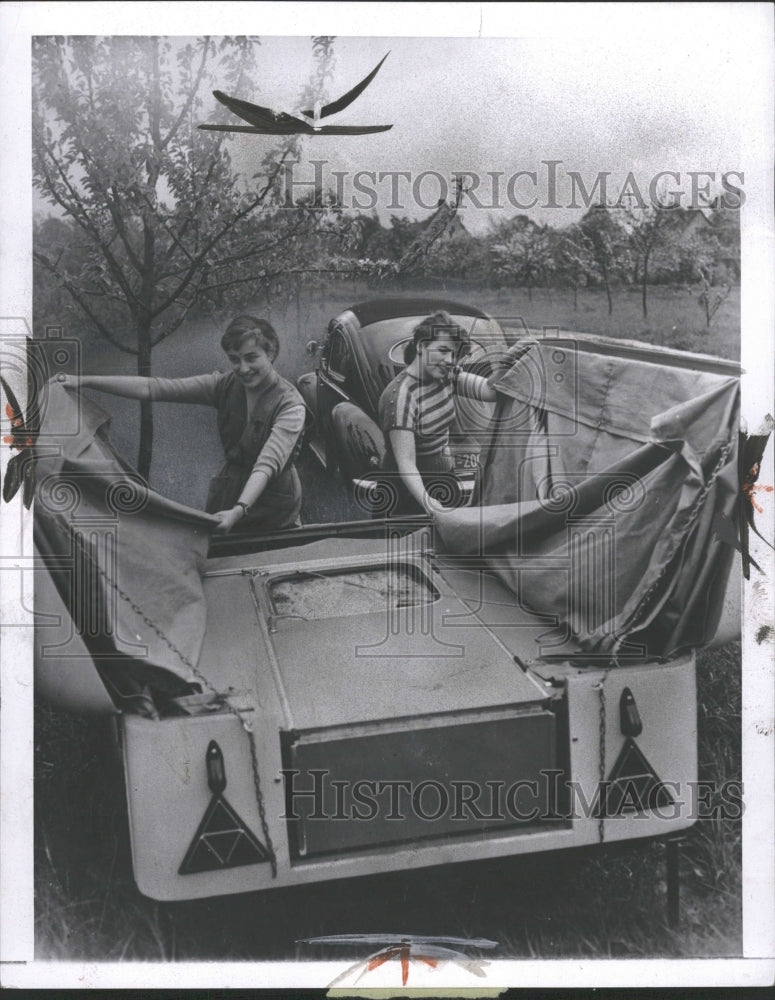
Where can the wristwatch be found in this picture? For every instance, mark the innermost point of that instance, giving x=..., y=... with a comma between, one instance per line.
x=244, y=506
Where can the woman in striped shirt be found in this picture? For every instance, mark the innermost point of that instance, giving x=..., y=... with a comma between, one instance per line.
x=417, y=409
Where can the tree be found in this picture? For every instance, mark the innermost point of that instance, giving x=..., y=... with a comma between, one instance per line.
x=607, y=241
x=575, y=259
x=61, y=238
x=460, y=256
x=428, y=233
x=725, y=225
x=156, y=202
x=649, y=234
x=713, y=276
x=521, y=252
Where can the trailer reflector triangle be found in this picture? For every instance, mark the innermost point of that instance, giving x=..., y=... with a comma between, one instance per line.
x=222, y=840
x=633, y=786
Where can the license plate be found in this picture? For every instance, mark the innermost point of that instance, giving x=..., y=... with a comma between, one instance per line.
x=468, y=461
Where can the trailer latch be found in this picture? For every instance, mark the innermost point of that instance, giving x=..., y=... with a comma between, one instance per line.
x=216, y=772
x=629, y=716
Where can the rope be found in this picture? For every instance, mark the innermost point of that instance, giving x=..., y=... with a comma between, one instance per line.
x=601, y=752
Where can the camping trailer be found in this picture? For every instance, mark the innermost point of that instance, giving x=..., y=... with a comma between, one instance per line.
x=387, y=694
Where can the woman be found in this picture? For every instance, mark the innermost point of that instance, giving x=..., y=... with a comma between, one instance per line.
x=260, y=420
x=417, y=409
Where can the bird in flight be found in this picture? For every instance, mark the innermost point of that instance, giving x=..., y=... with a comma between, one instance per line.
x=264, y=121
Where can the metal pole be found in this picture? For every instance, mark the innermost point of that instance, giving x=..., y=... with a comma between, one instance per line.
x=673, y=880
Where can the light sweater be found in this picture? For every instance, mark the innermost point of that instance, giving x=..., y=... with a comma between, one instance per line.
x=202, y=389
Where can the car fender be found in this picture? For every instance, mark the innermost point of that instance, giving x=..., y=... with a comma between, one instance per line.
x=359, y=440
x=307, y=385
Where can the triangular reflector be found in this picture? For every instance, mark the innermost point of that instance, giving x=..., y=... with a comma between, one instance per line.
x=633, y=786
x=222, y=841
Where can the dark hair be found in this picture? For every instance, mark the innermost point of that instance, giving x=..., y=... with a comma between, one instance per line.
x=250, y=327
x=440, y=324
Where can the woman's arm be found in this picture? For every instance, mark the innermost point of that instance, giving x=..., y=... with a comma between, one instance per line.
x=271, y=460
x=251, y=491
x=194, y=389
x=257, y=482
x=473, y=386
x=130, y=386
x=402, y=443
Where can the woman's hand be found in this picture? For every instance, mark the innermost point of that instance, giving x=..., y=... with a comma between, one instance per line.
x=432, y=506
x=68, y=381
x=227, y=519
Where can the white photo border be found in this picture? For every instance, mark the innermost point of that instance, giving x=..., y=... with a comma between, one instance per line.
x=18, y=23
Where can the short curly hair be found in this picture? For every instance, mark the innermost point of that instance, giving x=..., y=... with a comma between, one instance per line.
x=250, y=327
x=440, y=324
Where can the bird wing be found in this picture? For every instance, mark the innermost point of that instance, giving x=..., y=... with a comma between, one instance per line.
x=349, y=129
x=342, y=102
x=255, y=130
x=301, y=129
x=258, y=116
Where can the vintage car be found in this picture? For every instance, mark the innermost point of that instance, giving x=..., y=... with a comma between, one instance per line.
x=342, y=700
x=361, y=352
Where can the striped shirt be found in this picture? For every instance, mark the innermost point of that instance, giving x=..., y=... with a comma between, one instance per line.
x=425, y=408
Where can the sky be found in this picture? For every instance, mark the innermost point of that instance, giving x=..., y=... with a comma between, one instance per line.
x=615, y=101
x=610, y=103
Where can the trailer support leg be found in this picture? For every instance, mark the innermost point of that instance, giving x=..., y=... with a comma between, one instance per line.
x=673, y=880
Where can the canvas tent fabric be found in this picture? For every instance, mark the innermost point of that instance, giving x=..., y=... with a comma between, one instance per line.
x=125, y=559
x=607, y=487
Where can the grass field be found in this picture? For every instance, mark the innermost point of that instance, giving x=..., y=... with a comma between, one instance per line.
x=592, y=905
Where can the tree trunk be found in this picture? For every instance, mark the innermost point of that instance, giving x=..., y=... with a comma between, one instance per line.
x=575, y=296
x=608, y=292
x=145, y=450
x=644, y=284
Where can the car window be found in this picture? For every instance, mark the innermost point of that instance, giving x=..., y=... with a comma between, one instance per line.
x=338, y=355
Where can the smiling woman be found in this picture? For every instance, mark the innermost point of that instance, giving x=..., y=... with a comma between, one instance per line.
x=417, y=410
x=260, y=421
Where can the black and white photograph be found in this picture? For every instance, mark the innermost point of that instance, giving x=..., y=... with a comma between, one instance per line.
x=386, y=563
